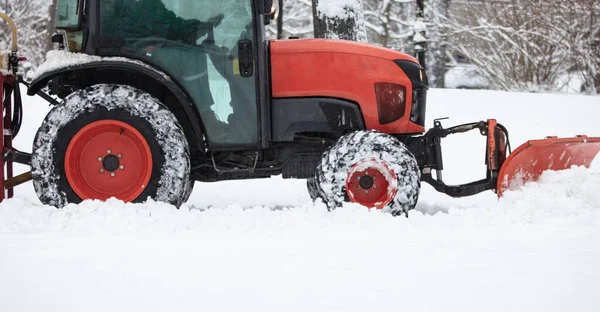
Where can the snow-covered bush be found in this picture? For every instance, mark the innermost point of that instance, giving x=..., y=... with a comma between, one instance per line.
x=526, y=45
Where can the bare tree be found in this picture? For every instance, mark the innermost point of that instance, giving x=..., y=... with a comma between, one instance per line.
x=580, y=27
x=411, y=26
x=51, y=23
x=296, y=20
x=339, y=19
x=437, y=47
x=31, y=18
x=390, y=23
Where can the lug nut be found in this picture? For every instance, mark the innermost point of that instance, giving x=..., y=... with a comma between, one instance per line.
x=358, y=187
x=120, y=155
x=121, y=167
x=366, y=191
x=112, y=174
x=373, y=177
x=108, y=151
x=101, y=170
x=99, y=158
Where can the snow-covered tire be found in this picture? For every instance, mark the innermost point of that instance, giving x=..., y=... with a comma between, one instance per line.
x=72, y=158
x=347, y=163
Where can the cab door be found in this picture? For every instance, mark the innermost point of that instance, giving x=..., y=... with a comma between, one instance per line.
x=207, y=46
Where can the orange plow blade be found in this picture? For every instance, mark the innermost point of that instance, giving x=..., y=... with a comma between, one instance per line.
x=530, y=160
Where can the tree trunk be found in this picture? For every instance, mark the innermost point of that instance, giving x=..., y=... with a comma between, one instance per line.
x=420, y=34
x=50, y=26
x=339, y=19
x=436, y=54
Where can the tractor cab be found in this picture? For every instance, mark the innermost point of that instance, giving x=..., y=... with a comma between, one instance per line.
x=210, y=49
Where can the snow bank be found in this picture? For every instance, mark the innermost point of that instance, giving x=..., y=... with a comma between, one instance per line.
x=530, y=247
x=562, y=197
x=265, y=244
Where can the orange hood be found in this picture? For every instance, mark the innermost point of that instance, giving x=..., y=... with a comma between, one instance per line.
x=340, y=69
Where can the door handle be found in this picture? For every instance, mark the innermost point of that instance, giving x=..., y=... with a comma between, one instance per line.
x=246, y=57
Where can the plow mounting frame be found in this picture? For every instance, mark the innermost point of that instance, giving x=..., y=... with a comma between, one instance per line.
x=427, y=149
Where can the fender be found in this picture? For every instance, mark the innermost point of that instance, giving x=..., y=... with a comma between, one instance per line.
x=66, y=80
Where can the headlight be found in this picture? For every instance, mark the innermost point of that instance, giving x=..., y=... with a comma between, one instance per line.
x=391, y=101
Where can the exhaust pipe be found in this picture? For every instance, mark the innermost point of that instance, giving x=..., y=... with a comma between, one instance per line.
x=13, y=30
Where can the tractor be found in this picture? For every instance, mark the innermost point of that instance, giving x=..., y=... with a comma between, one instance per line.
x=149, y=96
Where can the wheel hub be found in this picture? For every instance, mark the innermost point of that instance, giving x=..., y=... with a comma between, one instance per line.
x=371, y=183
x=365, y=182
x=111, y=163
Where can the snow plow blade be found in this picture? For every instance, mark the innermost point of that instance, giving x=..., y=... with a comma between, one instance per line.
x=530, y=160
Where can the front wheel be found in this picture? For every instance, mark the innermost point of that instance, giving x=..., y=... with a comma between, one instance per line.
x=372, y=169
x=110, y=141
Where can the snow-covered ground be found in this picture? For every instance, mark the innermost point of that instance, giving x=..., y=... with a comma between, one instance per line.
x=262, y=245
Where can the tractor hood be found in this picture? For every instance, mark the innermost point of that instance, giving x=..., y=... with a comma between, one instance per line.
x=343, y=70
x=336, y=46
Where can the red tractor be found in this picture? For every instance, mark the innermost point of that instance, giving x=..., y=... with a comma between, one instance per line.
x=149, y=96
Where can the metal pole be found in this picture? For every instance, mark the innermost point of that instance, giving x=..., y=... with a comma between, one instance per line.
x=280, y=20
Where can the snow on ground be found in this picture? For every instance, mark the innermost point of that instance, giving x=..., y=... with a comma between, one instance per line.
x=262, y=245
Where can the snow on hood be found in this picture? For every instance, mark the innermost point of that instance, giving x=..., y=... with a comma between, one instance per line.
x=336, y=46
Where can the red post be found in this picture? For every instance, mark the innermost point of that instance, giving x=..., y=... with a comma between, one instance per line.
x=2, y=78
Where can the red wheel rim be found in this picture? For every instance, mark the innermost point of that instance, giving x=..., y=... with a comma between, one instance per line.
x=108, y=158
x=371, y=183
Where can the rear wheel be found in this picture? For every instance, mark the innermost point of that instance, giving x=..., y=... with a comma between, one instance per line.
x=110, y=141
x=369, y=168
